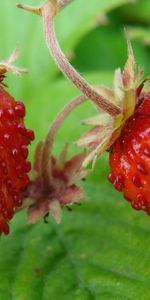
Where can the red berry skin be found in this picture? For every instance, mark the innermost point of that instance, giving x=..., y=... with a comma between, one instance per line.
x=14, y=141
x=130, y=158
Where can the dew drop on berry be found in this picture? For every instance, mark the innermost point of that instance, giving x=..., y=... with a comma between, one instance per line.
x=24, y=151
x=6, y=137
x=17, y=199
x=135, y=205
x=119, y=182
x=142, y=202
x=141, y=168
x=20, y=109
x=15, y=153
x=21, y=129
x=147, y=152
x=10, y=113
x=1, y=113
x=8, y=184
x=111, y=177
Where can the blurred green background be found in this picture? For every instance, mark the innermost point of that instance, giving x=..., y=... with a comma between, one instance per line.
x=101, y=250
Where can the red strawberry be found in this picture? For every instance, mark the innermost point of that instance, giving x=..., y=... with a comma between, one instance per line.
x=130, y=157
x=14, y=166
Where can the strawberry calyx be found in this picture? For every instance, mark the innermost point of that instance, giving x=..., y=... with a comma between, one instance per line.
x=7, y=66
x=105, y=128
x=63, y=189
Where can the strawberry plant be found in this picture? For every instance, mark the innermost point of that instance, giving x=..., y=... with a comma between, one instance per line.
x=90, y=254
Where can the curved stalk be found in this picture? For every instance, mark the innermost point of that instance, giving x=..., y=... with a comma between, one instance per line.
x=55, y=5
x=48, y=144
x=63, y=3
x=66, y=67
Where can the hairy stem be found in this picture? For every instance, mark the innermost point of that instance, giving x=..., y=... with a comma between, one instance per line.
x=47, y=149
x=66, y=67
x=63, y=3
x=55, y=5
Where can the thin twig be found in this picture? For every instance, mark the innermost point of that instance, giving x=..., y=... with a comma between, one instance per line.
x=47, y=149
x=63, y=3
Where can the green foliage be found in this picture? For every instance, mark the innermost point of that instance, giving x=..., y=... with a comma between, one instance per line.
x=138, y=12
x=101, y=249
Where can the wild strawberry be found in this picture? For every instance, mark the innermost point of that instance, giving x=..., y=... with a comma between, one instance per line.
x=127, y=135
x=130, y=157
x=14, y=166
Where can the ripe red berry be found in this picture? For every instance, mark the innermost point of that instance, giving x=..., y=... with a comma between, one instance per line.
x=130, y=158
x=14, y=139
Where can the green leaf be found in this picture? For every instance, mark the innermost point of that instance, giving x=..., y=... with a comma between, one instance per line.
x=138, y=11
x=99, y=56
x=82, y=20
